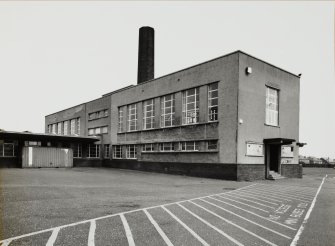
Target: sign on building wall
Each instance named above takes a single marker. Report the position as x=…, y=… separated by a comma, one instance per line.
x=255, y=149
x=287, y=151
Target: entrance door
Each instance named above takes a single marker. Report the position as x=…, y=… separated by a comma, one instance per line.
x=274, y=157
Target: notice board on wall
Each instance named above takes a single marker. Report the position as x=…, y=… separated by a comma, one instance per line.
x=255, y=149
x=287, y=151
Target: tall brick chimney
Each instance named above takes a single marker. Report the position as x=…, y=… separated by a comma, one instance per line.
x=146, y=54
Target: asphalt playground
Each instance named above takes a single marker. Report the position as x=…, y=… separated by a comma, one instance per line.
x=88, y=206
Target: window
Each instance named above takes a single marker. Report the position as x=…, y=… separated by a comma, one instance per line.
x=7, y=150
x=32, y=143
x=131, y=152
x=191, y=106
x=167, y=110
x=132, y=117
x=189, y=146
x=98, y=114
x=72, y=126
x=104, y=129
x=106, y=150
x=91, y=131
x=94, y=150
x=272, y=106
x=167, y=147
x=78, y=126
x=66, y=123
x=53, y=128
x=105, y=112
x=49, y=128
x=59, y=128
x=98, y=130
x=148, y=148
x=120, y=122
x=148, y=114
x=213, y=102
x=77, y=151
x=212, y=145
x=117, y=152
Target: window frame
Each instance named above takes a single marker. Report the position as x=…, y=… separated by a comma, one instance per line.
x=183, y=146
x=274, y=120
x=115, y=151
x=151, y=149
x=148, y=119
x=165, y=108
x=120, y=120
x=210, y=101
x=162, y=147
x=97, y=150
x=128, y=151
x=132, y=111
x=186, y=103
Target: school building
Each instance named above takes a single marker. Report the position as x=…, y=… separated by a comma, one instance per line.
x=234, y=117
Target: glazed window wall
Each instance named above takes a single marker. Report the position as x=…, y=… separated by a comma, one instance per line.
x=190, y=107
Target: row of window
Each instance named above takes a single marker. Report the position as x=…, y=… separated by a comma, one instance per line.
x=62, y=128
x=131, y=150
x=190, y=110
x=98, y=130
x=98, y=114
x=93, y=151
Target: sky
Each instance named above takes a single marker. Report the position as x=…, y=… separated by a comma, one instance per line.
x=57, y=54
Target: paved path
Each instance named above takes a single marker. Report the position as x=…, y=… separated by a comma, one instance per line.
x=258, y=214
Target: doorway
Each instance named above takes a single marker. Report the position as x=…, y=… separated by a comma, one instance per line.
x=272, y=158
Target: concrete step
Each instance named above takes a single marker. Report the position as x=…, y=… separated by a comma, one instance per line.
x=274, y=176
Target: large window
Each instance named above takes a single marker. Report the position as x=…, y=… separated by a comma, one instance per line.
x=59, y=128
x=167, y=147
x=98, y=114
x=148, y=114
x=272, y=107
x=72, y=126
x=212, y=145
x=189, y=146
x=213, y=102
x=49, y=128
x=117, y=152
x=98, y=130
x=120, y=121
x=167, y=110
x=66, y=123
x=7, y=150
x=131, y=151
x=78, y=126
x=132, y=117
x=106, y=150
x=148, y=148
x=54, y=126
x=77, y=151
x=191, y=106
x=94, y=150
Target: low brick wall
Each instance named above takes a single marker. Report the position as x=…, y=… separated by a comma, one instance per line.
x=250, y=172
x=207, y=170
x=291, y=170
x=85, y=162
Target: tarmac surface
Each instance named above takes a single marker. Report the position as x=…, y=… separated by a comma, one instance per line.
x=96, y=206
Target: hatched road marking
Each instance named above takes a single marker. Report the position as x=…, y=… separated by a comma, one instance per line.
x=241, y=213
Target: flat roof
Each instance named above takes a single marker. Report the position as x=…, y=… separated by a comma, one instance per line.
x=29, y=136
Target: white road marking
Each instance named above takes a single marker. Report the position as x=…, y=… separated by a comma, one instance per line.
x=105, y=217
x=53, y=237
x=186, y=227
x=250, y=193
x=159, y=230
x=127, y=230
x=283, y=194
x=309, y=192
x=267, y=194
x=91, y=233
x=250, y=221
x=232, y=223
x=244, y=204
x=297, y=236
x=250, y=212
x=250, y=201
x=6, y=243
x=212, y=226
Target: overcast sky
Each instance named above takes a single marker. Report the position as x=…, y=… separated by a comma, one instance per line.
x=55, y=55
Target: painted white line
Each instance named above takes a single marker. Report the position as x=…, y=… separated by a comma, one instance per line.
x=255, y=198
x=186, y=227
x=243, y=204
x=105, y=217
x=53, y=237
x=302, y=227
x=284, y=193
x=210, y=225
x=279, y=194
x=127, y=230
x=232, y=223
x=91, y=233
x=309, y=192
x=259, y=195
x=159, y=230
x=6, y=242
x=250, y=221
x=261, y=204
x=250, y=212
